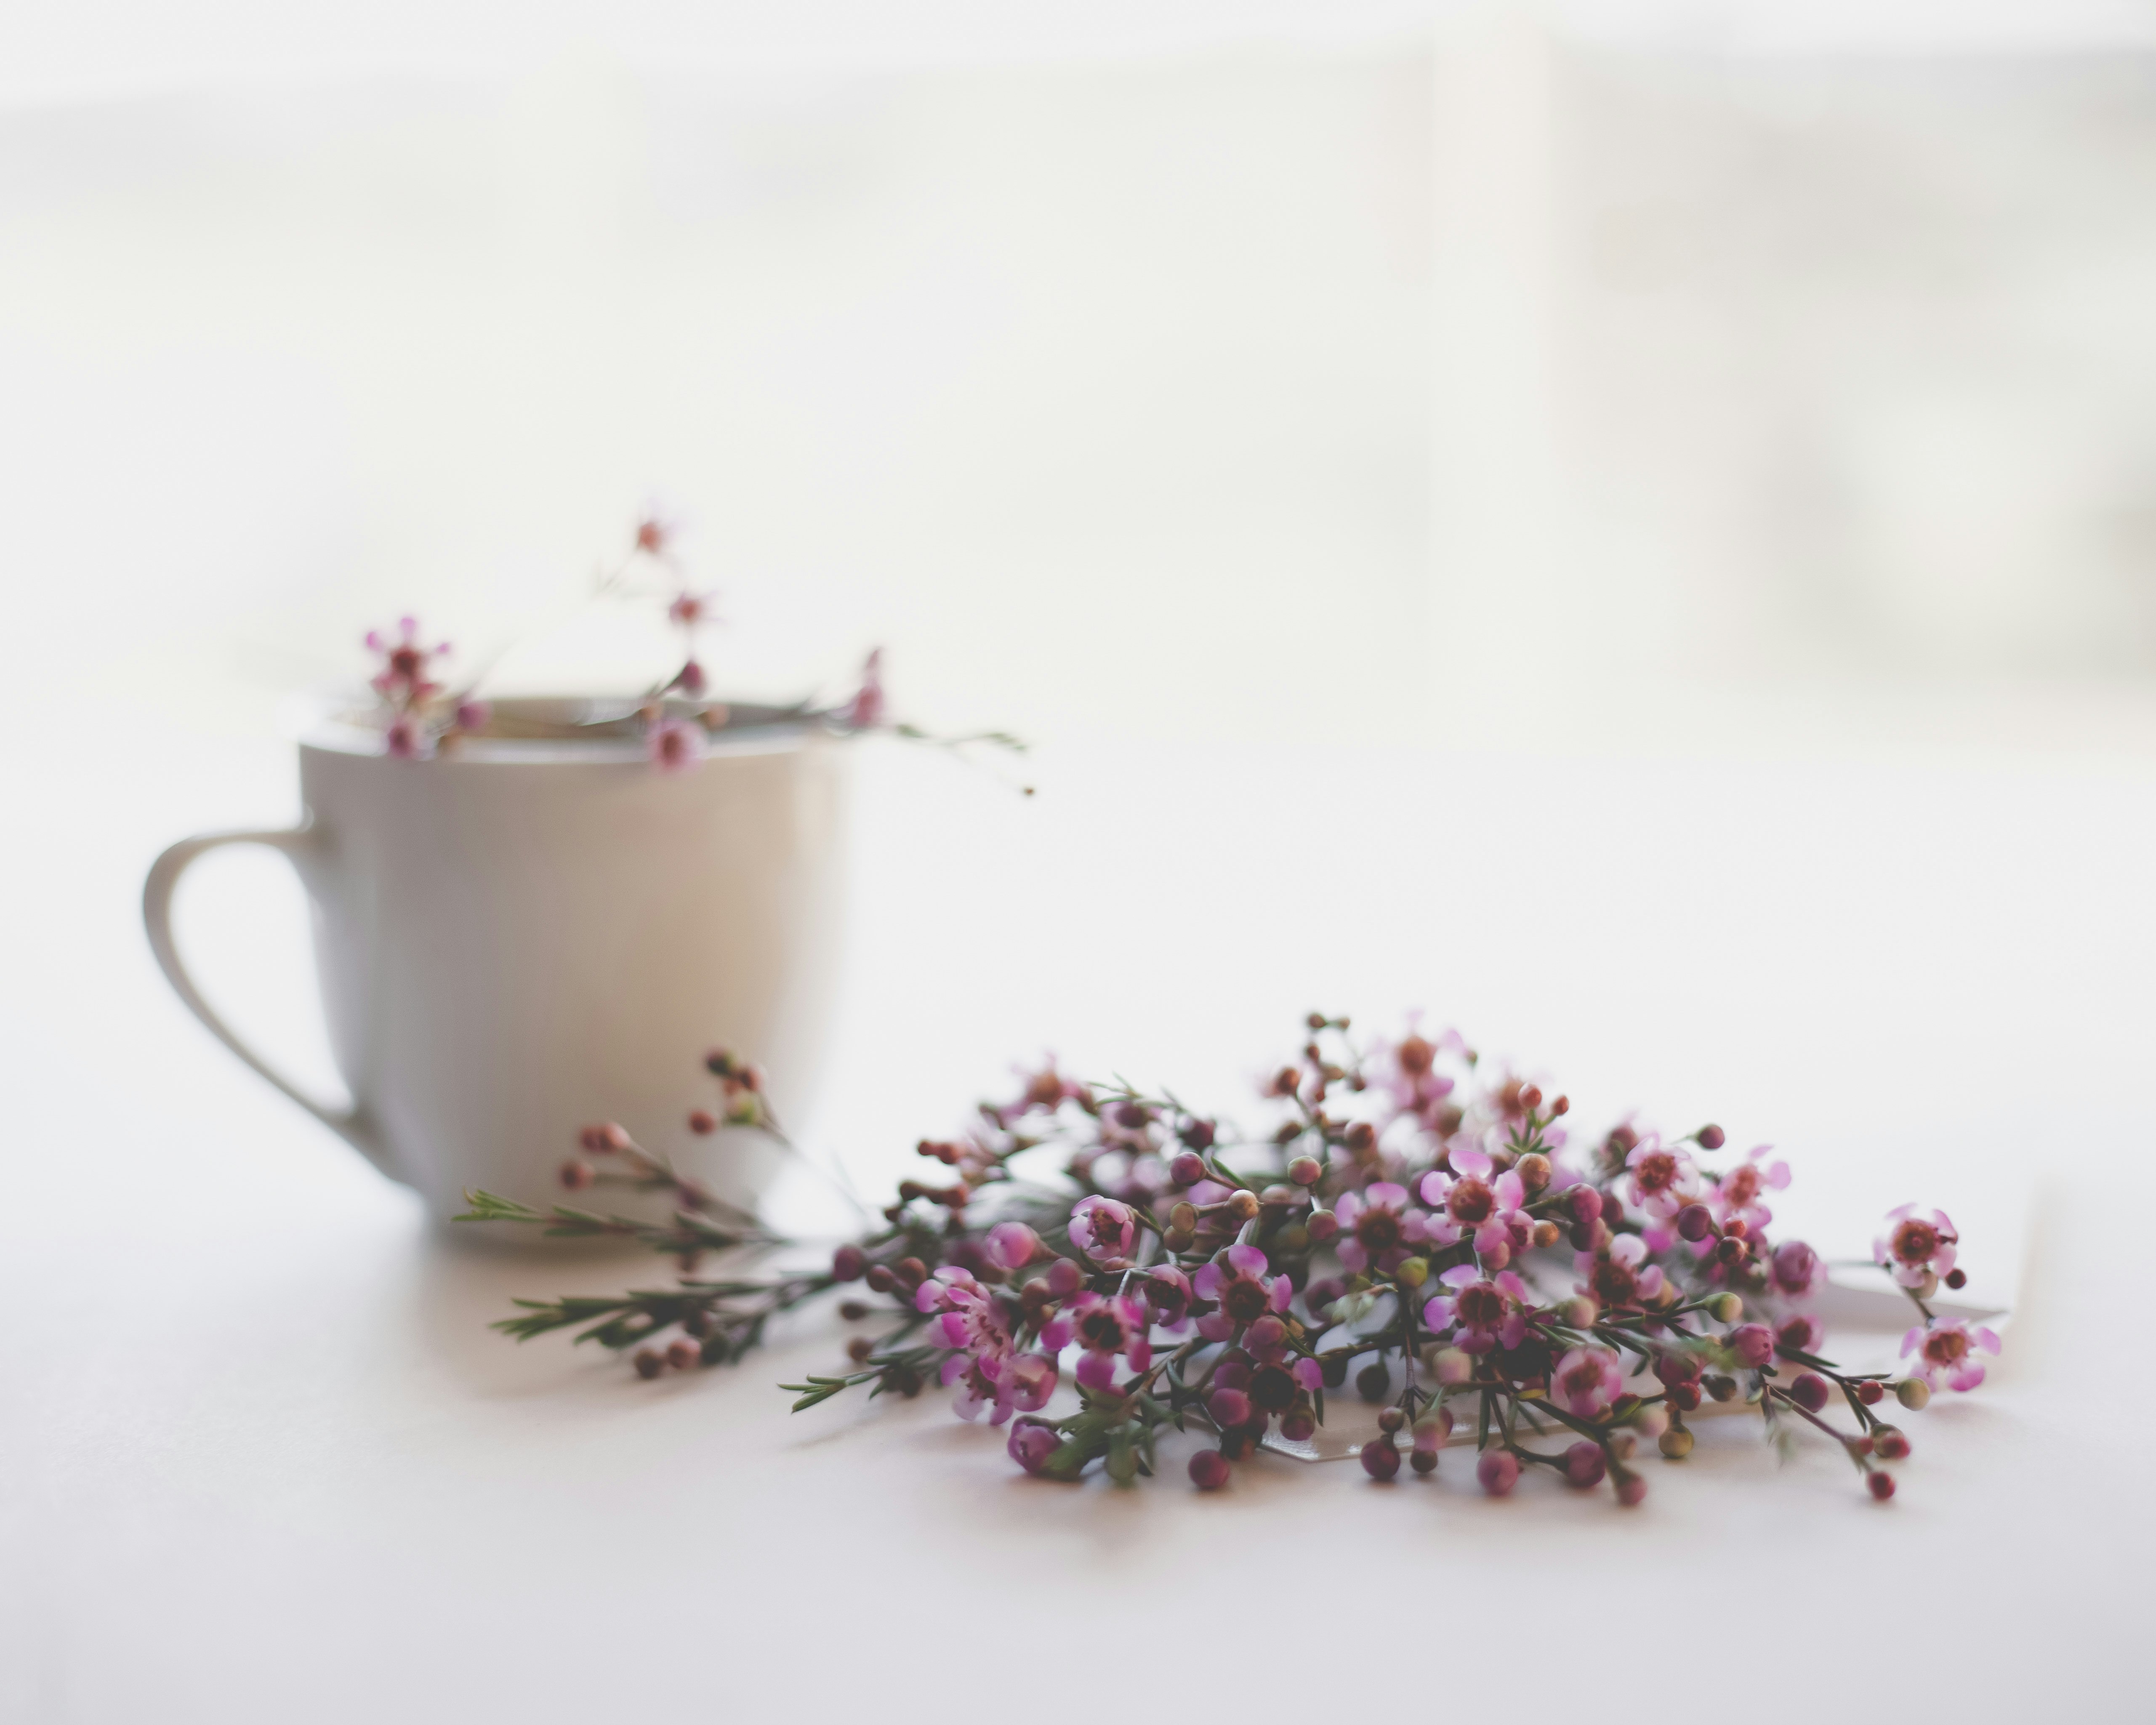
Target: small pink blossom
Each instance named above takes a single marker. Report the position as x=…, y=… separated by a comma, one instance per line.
x=1103, y=1228
x=1948, y=1350
x=1614, y=1277
x=473, y=715
x=1489, y=1313
x=1916, y=1246
x=1662, y=1176
x=405, y=662
x=1376, y=1224
x=1106, y=1325
x=1235, y=1281
x=1405, y=1072
x=1475, y=1203
x=1738, y=1192
x=1588, y=1380
x=407, y=739
x=675, y=744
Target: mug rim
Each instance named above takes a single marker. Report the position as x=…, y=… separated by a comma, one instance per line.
x=326, y=723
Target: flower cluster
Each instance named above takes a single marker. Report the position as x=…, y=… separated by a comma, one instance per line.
x=1408, y=1224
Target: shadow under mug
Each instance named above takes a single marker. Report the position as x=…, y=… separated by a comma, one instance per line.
x=536, y=932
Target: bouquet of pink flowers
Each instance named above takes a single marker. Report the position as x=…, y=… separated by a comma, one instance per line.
x=1439, y=1239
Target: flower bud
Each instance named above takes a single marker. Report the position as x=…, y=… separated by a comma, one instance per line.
x=1721, y=1388
x=880, y=1278
x=1631, y=1490
x=1727, y=1308
x=576, y=1175
x=1380, y=1460
x=1710, y=1138
x=683, y=1354
x=1890, y=1443
x=1585, y=1465
x=1752, y=1343
x=702, y=1122
x=1879, y=1484
x=1209, y=1470
x=1306, y=1171
x=1652, y=1421
x=1534, y=1171
x=1912, y=1392
x=1361, y=1136
x=1299, y=1426
x=1809, y=1391
x=1453, y=1366
x=1431, y=1430
x=1323, y=1225
x=1622, y=1444
x=650, y=1362
x=1547, y=1233
x=1188, y=1169
x=1423, y=1461
x=1586, y=1205
x=1197, y=1133
x=850, y=1263
x=1871, y=1392
x=1228, y=1407
x=1731, y=1250
x=1676, y=1443
x=1695, y=1221
x=1414, y=1273
x=1498, y=1471
x=1580, y=1313
x=1243, y=1205
x=1374, y=1382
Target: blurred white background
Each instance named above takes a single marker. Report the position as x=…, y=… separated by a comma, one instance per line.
x=1632, y=526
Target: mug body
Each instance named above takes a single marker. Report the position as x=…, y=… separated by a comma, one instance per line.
x=520, y=938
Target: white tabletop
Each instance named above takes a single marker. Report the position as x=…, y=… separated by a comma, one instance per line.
x=263, y=1460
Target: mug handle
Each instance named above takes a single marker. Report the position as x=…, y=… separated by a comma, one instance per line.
x=347, y=1123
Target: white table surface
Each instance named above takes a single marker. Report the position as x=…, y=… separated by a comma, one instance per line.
x=262, y=1460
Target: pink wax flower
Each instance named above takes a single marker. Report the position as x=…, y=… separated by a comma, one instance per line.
x=691, y=610
x=1738, y=1192
x=1662, y=1179
x=1236, y=1281
x=1488, y=1313
x=1948, y=1350
x=1106, y=1325
x=1587, y=1381
x=675, y=744
x=999, y=1385
x=1103, y=1228
x=656, y=533
x=1405, y=1072
x=1168, y=1294
x=1475, y=1203
x=866, y=710
x=405, y=659
x=1375, y=1223
x=1916, y=1246
x=1046, y=1091
x=1613, y=1278
x=407, y=739
x=473, y=715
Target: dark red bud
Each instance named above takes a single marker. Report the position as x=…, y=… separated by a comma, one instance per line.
x=1380, y=1460
x=1209, y=1469
x=850, y=1263
x=1711, y=1137
x=1695, y=1221
x=703, y=1122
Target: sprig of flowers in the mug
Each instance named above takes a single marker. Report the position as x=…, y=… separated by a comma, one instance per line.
x=419, y=714
x=676, y=717
x=1409, y=1223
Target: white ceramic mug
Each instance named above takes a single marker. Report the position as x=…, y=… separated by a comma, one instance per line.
x=524, y=936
